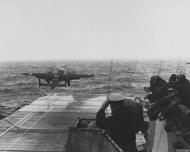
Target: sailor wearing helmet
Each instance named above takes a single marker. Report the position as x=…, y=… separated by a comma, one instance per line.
x=125, y=120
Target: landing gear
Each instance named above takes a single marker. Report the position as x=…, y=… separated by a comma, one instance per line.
x=39, y=83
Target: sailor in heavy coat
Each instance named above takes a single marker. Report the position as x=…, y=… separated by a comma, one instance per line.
x=125, y=120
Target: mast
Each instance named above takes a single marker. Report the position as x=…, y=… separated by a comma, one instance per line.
x=110, y=76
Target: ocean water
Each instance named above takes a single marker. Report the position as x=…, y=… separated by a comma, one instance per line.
x=129, y=77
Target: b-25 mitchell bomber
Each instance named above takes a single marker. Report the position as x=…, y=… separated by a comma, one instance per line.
x=53, y=79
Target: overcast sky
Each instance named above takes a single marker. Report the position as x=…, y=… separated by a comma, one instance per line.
x=94, y=29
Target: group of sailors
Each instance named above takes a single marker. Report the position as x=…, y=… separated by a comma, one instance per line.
x=169, y=101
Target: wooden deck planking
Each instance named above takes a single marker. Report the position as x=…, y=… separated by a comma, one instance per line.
x=33, y=141
x=43, y=125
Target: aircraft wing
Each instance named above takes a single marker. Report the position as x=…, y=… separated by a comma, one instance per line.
x=78, y=76
x=27, y=74
x=48, y=76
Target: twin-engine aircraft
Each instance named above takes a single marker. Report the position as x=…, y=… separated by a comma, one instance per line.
x=53, y=79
